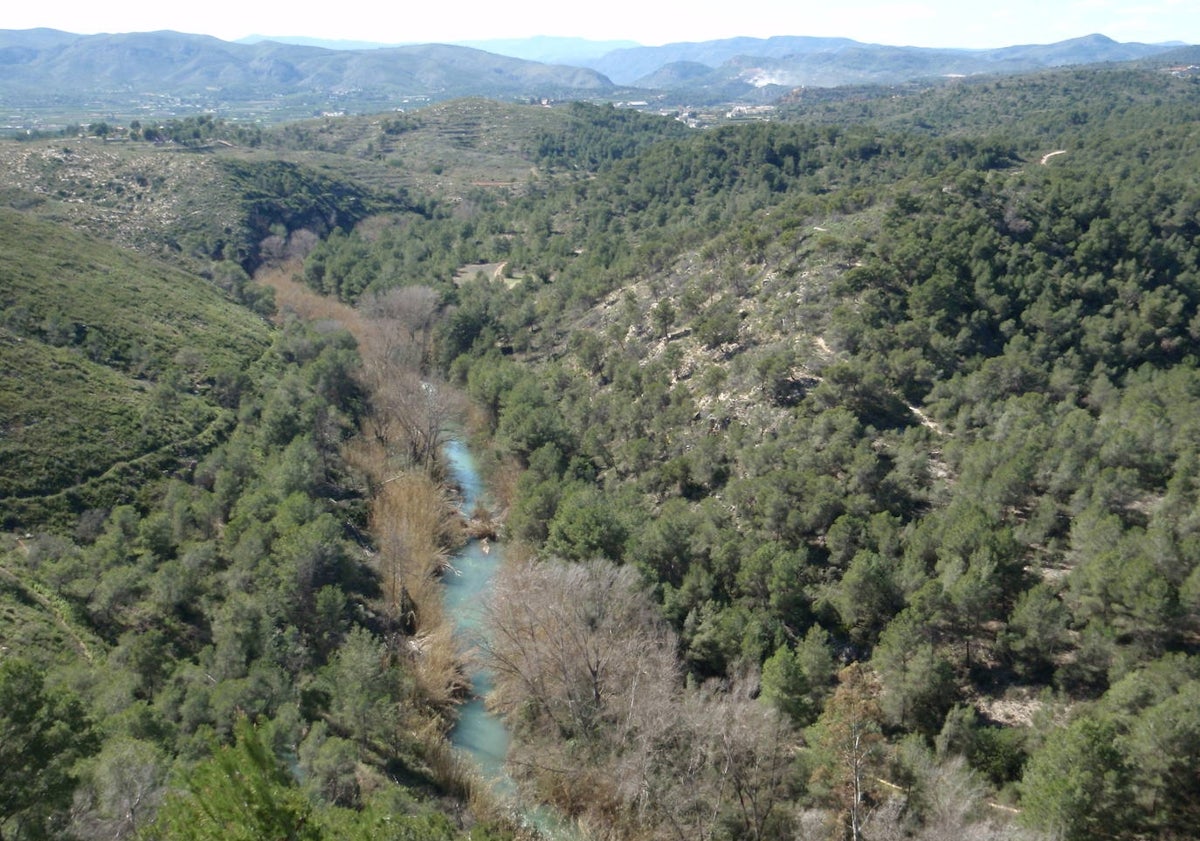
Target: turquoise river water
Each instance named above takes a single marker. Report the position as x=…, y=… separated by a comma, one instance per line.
x=479, y=733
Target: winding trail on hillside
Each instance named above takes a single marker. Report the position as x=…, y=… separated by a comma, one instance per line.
x=54, y=605
x=926, y=421
x=1046, y=157
x=827, y=353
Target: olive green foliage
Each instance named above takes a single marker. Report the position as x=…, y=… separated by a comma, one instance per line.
x=888, y=385
x=244, y=791
x=199, y=132
x=43, y=732
x=241, y=792
x=233, y=588
x=1063, y=103
x=281, y=198
x=1125, y=764
x=413, y=251
x=191, y=131
x=597, y=136
x=918, y=388
x=116, y=367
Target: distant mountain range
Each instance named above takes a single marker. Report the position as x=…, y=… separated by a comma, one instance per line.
x=835, y=61
x=548, y=49
x=44, y=62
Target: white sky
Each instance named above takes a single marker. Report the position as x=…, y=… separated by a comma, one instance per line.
x=924, y=23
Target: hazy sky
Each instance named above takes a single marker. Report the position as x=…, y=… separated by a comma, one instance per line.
x=926, y=23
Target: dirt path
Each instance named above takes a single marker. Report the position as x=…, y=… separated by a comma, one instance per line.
x=58, y=611
x=826, y=352
x=926, y=421
x=1046, y=157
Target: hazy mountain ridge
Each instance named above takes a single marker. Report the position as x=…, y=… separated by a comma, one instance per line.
x=44, y=62
x=632, y=64
x=551, y=49
x=740, y=66
x=548, y=49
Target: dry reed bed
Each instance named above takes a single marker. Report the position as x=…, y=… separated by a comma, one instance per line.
x=413, y=522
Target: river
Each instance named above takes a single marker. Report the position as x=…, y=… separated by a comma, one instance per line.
x=478, y=732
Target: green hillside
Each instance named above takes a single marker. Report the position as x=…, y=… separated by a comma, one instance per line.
x=115, y=366
x=847, y=467
x=185, y=567
x=916, y=393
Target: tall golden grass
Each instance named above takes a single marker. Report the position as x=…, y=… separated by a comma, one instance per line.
x=414, y=524
x=292, y=296
x=412, y=519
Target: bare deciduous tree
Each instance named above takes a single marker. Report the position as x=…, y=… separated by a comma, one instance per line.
x=582, y=642
x=410, y=416
x=581, y=653
x=409, y=413
x=709, y=757
x=401, y=323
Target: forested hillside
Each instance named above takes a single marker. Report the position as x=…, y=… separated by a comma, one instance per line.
x=107, y=382
x=848, y=469
x=207, y=623
x=893, y=395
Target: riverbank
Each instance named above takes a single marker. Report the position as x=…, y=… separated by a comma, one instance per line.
x=477, y=731
x=416, y=528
